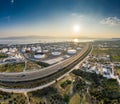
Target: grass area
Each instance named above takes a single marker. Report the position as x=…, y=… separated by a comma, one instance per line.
x=3, y=56
x=115, y=58
x=75, y=99
x=98, y=51
x=15, y=67
x=12, y=98
x=42, y=93
x=118, y=71
x=113, y=52
x=32, y=65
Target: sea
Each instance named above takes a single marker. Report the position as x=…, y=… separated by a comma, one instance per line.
x=39, y=40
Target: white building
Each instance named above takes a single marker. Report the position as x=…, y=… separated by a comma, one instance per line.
x=71, y=51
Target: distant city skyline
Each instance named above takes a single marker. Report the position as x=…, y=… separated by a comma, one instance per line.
x=57, y=18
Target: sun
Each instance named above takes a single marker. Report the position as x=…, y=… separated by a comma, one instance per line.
x=76, y=28
x=76, y=40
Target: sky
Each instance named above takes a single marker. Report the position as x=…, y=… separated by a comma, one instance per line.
x=58, y=18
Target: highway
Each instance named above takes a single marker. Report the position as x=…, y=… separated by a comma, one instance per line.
x=28, y=76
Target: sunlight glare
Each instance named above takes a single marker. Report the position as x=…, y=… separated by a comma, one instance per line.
x=76, y=28
x=76, y=40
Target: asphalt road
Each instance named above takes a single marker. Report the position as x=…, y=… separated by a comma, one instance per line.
x=27, y=76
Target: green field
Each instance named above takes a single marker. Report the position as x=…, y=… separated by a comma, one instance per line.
x=33, y=66
x=15, y=67
x=3, y=56
x=113, y=52
x=118, y=71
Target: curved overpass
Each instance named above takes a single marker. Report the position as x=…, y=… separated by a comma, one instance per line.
x=33, y=75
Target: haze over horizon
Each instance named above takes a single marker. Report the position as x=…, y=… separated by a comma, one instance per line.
x=60, y=18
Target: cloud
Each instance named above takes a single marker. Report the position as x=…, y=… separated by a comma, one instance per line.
x=112, y=21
